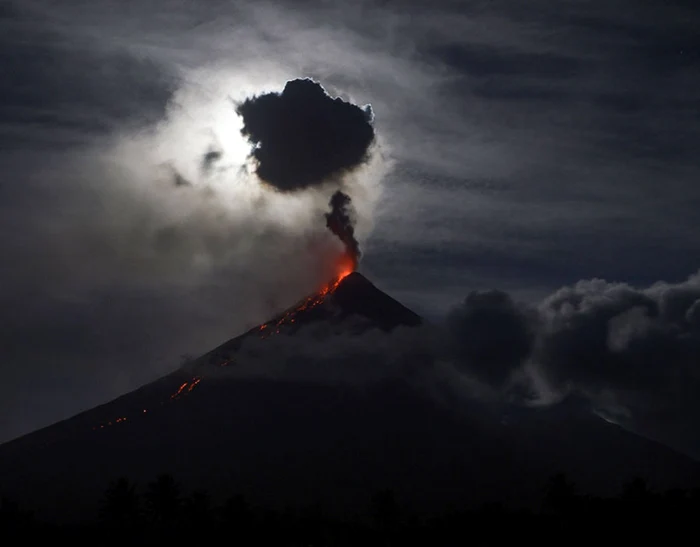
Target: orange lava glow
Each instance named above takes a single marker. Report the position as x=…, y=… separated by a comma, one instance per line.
x=187, y=387
x=117, y=421
x=179, y=391
x=346, y=265
x=194, y=384
x=184, y=389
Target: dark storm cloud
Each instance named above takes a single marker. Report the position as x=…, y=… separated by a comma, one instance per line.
x=302, y=136
x=340, y=221
x=634, y=353
x=490, y=335
x=592, y=336
x=602, y=336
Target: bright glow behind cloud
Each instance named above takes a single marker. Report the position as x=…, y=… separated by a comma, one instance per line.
x=201, y=118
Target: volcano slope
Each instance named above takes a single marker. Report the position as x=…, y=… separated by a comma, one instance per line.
x=281, y=440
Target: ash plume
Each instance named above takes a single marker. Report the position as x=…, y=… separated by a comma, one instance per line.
x=340, y=222
x=301, y=137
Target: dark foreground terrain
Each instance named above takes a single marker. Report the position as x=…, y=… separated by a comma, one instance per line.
x=160, y=513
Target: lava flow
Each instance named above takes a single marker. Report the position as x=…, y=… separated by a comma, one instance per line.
x=108, y=424
x=186, y=387
x=346, y=267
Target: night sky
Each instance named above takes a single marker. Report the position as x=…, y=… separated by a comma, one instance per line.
x=532, y=185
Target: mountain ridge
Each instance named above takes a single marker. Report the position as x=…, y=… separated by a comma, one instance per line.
x=283, y=441
x=350, y=296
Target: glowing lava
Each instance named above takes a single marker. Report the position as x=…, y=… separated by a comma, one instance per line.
x=187, y=387
x=194, y=384
x=184, y=389
x=108, y=424
x=179, y=391
x=346, y=266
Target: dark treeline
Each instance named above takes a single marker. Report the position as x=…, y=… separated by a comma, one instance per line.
x=161, y=513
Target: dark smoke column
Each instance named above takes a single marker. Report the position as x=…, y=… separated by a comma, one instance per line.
x=340, y=222
x=302, y=137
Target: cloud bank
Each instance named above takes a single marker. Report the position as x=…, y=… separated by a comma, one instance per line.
x=632, y=353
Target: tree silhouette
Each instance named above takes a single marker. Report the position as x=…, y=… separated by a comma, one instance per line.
x=385, y=514
x=636, y=491
x=197, y=509
x=560, y=495
x=237, y=513
x=163, y=502
x=120, y=504
x=13, y=517
x=9, y=510
x=638, y=514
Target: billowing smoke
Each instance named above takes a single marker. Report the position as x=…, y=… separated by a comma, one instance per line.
x=490, y=335
x=634, y=353
x=302, y=137
x=594, y=337
x=340, y=221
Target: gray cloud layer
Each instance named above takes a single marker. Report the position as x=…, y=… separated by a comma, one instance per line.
x=634, y=352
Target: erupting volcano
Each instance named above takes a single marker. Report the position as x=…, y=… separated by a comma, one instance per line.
x=297, y=442
x=385, y=415
x=350, y=294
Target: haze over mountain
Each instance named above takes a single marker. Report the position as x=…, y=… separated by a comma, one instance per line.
x=256, y=417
